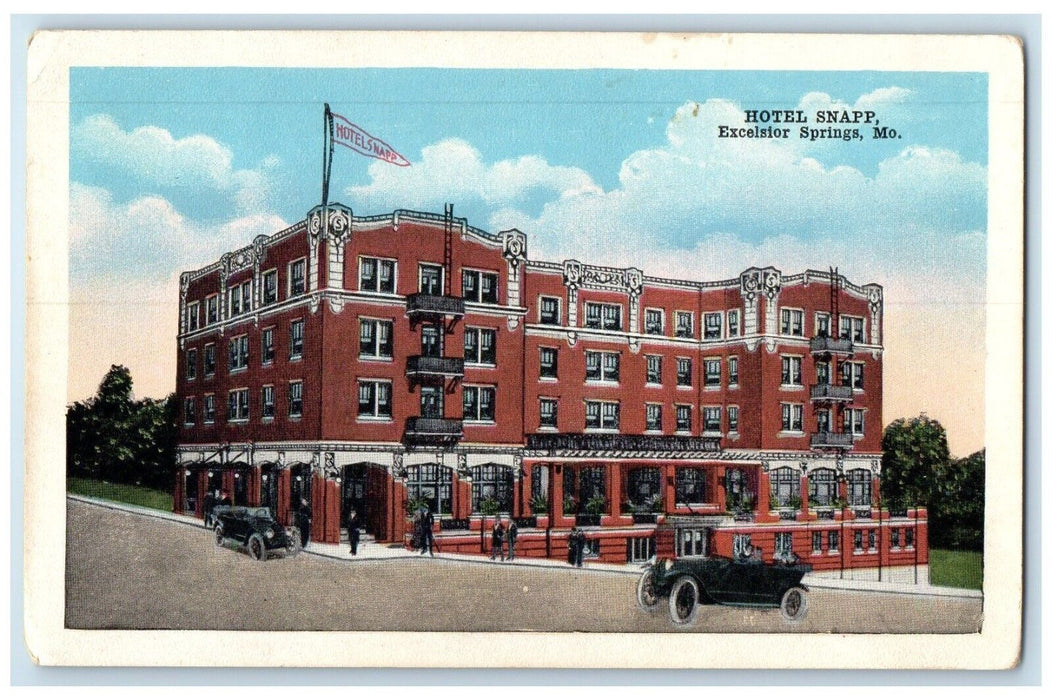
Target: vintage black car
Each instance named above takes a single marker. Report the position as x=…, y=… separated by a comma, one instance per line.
x=688, y=582
x=256, y=530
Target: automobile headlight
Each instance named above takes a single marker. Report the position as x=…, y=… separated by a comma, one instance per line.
x=668, y=564
x=269, y=533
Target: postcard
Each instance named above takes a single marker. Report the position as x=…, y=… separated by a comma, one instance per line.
x=524, y=350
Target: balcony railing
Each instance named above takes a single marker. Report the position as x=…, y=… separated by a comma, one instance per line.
x=433, y=431
x=836, y=346
x=433, y=304
x=831, y=440
x=419, y=366
x=831, y=392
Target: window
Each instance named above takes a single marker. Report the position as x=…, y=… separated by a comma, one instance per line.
x=189, y=410
x=741, y=545
x=549, y=413
x=431, y=340
x=859, y=488
x=792, y=417
x=792, y=322
x=851, y=374
x=266, y=341
x=295, y=399
x=240, y=298
x=692, y=542
x=833, y=538
x=732, y=371
x=212, y=308
x=432, y=401
x=822, y=372
x=492, y=482
x=655, y=322
x=816, y=541
x=237, y=405
x=683, y=419
x=736, y=484
x=210, y=360
x=191, y=364
x=602, y=366
x=602, y=415
x=644, y=487
x=297, y=277
x=792, y=374
x=871, y=540
x=855, y=421
x=895, y=540
x=374, y=398
x=376, y=275
x=822, y=418
x=783, y=545
x=853, y=328
x=267, y=402
x=239, y=353
x=909, y=537
x=684, y=324
x=713, y=372
x=822, y=325
x=733, y=329
x=713, y=326
x=431, y=279
x=732, y=419
x=479, y=402
x=785, y=486
x=690, y=485
x=653, y=416
x=480, y=286
x=270, y=287
x=712, y=419
x=550, y=313
x=684, y=371
x=549, y=363
x=858, y=540
x=605, y=316
x=640, y=549
x=480, y=346
x=821, y=489
x=210, y=408
x=539, y=485
x=193, y=318
x=432, y=484
x=375, y=339
x=582, y=485
x=653, y=369
x=296, y=339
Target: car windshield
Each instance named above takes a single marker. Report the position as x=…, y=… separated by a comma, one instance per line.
x=260, y=512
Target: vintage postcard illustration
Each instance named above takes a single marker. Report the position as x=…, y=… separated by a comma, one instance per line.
x=683, y=343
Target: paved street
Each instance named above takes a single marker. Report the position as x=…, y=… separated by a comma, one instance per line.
x=128, y=571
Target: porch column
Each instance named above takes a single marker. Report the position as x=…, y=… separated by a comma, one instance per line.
x=805, y=497
x=668, y=487
x=178, y=497
x=555, y=473
x=614, y=470
x=720, y=474
x=763, y=491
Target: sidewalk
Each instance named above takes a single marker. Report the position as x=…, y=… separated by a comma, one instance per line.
x=371, y=551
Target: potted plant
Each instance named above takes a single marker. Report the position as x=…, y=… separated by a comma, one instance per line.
x=596, y=505
x=489, y=506
x=569, y=505
x=775, y=502
x=795, y=502
x=539, y=504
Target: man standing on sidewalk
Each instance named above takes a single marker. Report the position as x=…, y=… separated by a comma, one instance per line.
x=497, y=540
x=353, y=533
x=513, y=535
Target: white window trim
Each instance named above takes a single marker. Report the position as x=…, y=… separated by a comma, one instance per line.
x=420, y=275
x=288, y=281
x=661, y=419
x=602, y=370
x=248, y=405
x=723, y=326
x=374, y=418
x=481, y=271
x=295, y=416
x=646, y=369
x=478, y=348
x=601, y=403
x=733, y=431
x=790, y=433
x=738, y=314
x=647, y=310
x=190, y=417
x=711, y=433
x=273, y=349
x=204, y=419
x=374, y=358
x=273, y=404
x=244, y=367
x=303, y=339
x=603, y=304
x=480, y=421
x=558, y=311
x=690, y=409
x=735, y=384
x=215, y=362
x=541, y=427
x=219, y=317
x=792, y=387
x=263, y=287
x=394, y=274
x=540, y=365
x=693, y=330
x=685, y=387
x=705, y=374
x=803, y=322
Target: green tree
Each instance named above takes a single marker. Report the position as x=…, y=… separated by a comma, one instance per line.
x=113, y=437
x=915, y=454
x=956, y=515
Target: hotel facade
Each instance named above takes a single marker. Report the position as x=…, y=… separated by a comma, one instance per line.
x=381, y=363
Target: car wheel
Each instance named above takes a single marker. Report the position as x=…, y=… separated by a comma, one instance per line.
x=683, y=601
x=794, y=604
x=646, y=593
x=220, y=540
x=293, y=543
x=256, y=548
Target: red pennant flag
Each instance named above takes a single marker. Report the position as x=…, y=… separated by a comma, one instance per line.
x=359, y=140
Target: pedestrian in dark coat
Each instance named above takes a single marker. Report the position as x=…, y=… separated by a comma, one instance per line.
x=497, y=540
x=579, y=549
x=225, y=500
x=353, y=533
x=303, y=519
x=427, y=536
x=207, y=504
x=571, y=547
x=513, y=536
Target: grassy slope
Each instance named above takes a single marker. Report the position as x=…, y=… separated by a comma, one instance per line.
x=124, y=493
x=956, y=569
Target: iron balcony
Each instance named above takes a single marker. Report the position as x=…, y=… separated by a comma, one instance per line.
x=824, y=345
x=423, y=367
x=433, y=305
x=831, y=392
x=433, y=431
x=831, y=440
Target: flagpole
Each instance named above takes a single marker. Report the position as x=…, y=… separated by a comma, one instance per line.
x=326, y=159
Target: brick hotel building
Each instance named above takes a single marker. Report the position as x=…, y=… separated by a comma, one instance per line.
x=380, y=362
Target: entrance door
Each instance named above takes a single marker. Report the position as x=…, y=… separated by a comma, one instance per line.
x=355, y=482
x=241, y=478
x=300, y=486
x=189, y=492
x=430, y=341
x=268, y=489
x=431, y=400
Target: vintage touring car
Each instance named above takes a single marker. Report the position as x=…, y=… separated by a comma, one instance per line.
x=690, y=577
x=256, y=530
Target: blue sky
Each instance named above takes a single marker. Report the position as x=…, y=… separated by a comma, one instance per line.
x=170, y=167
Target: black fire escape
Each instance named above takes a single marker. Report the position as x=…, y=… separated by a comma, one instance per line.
x=830, y=348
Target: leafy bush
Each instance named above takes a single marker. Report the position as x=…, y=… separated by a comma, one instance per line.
x=489, y=506
x=596, y=505
x=539, y=504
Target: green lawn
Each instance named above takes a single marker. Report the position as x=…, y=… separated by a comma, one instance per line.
x=956, y=569
x=125, y=493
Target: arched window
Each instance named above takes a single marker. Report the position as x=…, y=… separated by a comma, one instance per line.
x=494, y=483
x=785, y=486
x=432, y=484
x=860, y=488
x=821, y=487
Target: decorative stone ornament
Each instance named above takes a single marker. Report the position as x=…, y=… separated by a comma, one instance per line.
x=514, y=242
